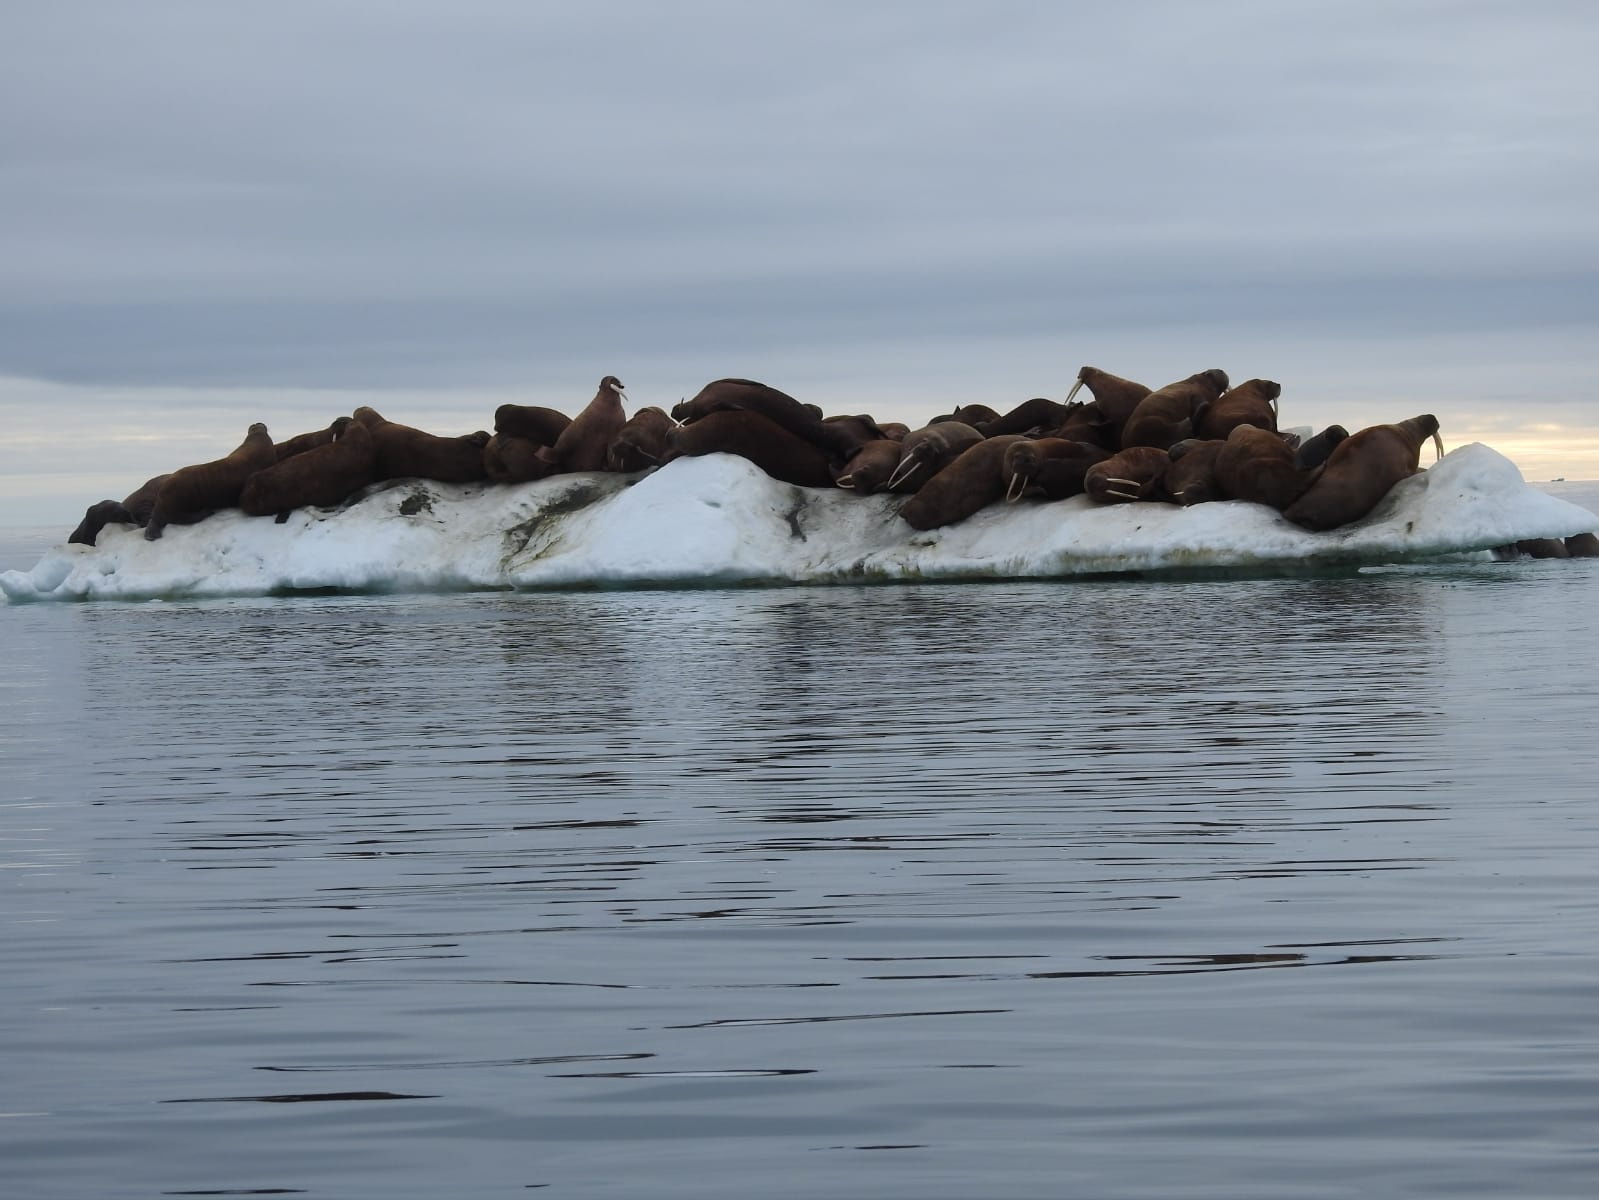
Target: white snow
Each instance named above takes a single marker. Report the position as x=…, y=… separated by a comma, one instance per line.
x=718, y=519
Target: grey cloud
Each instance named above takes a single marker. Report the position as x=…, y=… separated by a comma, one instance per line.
x=365, y=194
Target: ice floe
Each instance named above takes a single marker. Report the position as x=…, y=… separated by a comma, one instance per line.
x=719, y=520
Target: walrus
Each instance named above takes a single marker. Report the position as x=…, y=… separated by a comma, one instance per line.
x=584, y=443
x=894, y=430
x=1040, y=413
x=640, y=443
x=405, y=452
x=1088, y=423
x=1261, y=467
x=301, y=442
x=541, y=425
x=135, y=510
x=1115, y=399
x=1191, y=477
x=843, y=436
x=974, y=480
x=508, y=458
x=322, y=477
x=1132, y=474
x=781, y=454
x=1253, y=402
x=1166, y=416
x=191, y=494
x=1361, y=471
x=1313, y=451
x=747, y=395
x=1053, y=467
x=1583, y=545
x=967, y=414
x=928, y=450
x=870, y=467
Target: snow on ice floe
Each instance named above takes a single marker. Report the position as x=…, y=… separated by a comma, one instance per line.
x=719, y=520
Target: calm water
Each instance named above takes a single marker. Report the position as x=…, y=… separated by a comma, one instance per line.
x=1219, y=889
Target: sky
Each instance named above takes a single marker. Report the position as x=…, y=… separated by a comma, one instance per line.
x=214, y=214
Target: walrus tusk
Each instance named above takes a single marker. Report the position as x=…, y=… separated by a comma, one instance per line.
x=845, y=481
x=900, y=474
x=1075, y=388
x=1123, y=495
x=1179, y=494
x=1438, y=444
x=1014, y=493
x=1132, y=483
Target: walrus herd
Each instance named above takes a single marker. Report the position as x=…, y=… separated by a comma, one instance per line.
x=1195, y=440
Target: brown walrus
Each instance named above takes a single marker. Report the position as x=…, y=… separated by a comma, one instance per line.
x=1191, y=478
x=641, y=443
x=1312, y=452
x=301, y=442
x=1253, y=402
x=191, y=494
x=584, y=443
x=405, y=452
x=974, y=480
x=1362, y=470
x=747, y=395
x=843, y=436
x=322, y=477
x=1583, y=545
x=781, y=454
x=1052, y=467
x=541, y=425
x=967, y=414
x=1131, y=474
x=1115, y=399
x=1261, y=467
x=928, y=450
x=868, y=470
x=135, y=510
x=1040, y=413
x=1166, y=416
x=508, y=458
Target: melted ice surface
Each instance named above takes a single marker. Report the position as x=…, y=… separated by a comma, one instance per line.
x=719, y=519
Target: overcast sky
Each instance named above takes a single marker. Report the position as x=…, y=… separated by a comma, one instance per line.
x=215, y=213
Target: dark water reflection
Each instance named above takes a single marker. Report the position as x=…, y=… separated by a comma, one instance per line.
x=1004, y=890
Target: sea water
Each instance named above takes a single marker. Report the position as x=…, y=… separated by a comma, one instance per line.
x=1247, y=888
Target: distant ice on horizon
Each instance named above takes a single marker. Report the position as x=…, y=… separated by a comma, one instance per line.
x=718, y=520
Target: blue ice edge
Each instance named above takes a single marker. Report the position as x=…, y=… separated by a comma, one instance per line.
x=719, y=521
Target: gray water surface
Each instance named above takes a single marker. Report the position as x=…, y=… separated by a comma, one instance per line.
x=1215, y=889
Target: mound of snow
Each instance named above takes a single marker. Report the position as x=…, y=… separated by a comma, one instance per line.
x=718, y=519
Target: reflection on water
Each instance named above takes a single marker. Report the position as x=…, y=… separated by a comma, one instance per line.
x=606, y=887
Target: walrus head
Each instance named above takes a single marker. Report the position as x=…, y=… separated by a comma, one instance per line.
x=1083, y=376
x=1215, y=378
x=1021, y=464
x=1420, y=429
